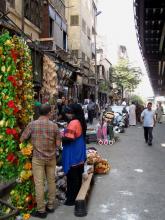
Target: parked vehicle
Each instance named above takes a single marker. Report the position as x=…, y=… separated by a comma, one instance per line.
x=119, y=122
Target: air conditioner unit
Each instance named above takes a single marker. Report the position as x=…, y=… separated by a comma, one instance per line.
x=47, y=44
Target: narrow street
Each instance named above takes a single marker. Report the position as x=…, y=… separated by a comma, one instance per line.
x=134, y=188
x=67, y=62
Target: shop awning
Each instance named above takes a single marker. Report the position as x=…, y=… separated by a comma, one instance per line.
x=150, y=26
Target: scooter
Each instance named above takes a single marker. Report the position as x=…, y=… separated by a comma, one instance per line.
x=119, y=123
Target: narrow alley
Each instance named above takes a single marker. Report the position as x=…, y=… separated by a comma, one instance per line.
x=134, y=188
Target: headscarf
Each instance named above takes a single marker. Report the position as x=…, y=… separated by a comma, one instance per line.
x=78, y=113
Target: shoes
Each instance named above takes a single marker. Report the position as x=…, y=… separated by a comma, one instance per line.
x=50, y=210
x=38, y=214
x=150, y=144
x=69, y=203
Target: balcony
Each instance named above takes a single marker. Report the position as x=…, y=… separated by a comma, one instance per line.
x=59, y=6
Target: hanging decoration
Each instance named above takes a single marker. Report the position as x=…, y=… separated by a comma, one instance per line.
x=16, y=110
x=49, y=77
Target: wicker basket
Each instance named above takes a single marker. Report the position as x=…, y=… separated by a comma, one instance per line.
x=13, y=212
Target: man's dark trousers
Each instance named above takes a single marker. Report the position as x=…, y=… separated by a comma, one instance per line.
x=148, y=134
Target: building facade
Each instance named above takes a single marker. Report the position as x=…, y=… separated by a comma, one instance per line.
x=81, y=18
x=25, y=14
x=54, y=25
x=104, y=71
x=54, y=41
x=23, y=18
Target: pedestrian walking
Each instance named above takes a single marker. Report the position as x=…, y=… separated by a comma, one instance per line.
x=97, y=110
x=45, y=138
x=91, y=107
x=159, y=113
x=139, y=109
x=148, y=119
x=74, y=152
x=61, y=107
x=132, y=114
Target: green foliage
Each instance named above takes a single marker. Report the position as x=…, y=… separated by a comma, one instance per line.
x=126, y=75
x=137, y=99
x=104, y=86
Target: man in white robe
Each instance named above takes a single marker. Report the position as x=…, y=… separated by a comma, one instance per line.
x=132, y=114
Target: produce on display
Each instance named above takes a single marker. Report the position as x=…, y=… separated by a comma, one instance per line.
x=101, y=166
x=93, y=156
x=16, y=110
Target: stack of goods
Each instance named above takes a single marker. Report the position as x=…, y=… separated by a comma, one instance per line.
x=61, y=184
x=49, y=78
x=108, y=116
x=101, y=166
x=92, y=156
x=16, y=110
x=49, y=89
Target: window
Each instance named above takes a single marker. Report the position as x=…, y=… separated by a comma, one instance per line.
x=83, y=56
x=83, y=26
x=74, y=20
x=93, y=31
x=11, y=3
x=51, y=23
x=75, y=53
x=88, y=33
x=65, y=41
x=32, y=11
x=93, y=56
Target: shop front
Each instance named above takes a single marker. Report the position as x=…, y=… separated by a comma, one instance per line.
x=67, y=80
x=103, y=98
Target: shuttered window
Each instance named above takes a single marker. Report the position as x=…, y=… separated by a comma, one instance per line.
x=74, y=20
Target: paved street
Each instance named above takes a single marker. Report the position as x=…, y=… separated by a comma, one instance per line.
x=135, y=187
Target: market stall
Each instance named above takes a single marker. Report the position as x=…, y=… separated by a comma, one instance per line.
x=16, y=110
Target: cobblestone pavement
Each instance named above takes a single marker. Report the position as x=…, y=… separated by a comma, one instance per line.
x=135, y=187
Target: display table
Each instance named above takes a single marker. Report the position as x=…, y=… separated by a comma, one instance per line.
x=81, y=199
x=91, y=135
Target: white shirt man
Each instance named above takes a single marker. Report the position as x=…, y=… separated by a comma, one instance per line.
x=148, y=119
